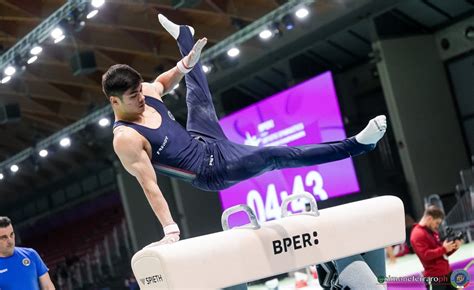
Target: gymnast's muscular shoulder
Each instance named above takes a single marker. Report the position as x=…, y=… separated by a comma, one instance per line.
x=154, y=90
x=128, y=143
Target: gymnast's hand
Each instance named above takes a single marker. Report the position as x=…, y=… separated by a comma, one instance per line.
x=192, y=58
x=171, y=236
x=168, y=239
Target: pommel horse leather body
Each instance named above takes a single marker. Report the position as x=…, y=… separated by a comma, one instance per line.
x=254, y=252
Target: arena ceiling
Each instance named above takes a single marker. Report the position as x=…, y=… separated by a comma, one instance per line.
x=337, y=35
x=51, y=97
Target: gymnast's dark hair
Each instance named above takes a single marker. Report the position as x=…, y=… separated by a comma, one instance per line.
x=118, y=79
x=4, y=222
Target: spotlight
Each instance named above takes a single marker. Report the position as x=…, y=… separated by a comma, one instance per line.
x=97, y=3
x=57, y=33
x=302, y=12
x=265, y=34
x=206, y=68
x=1, y=176
x=43, y=153
x=14, y=168
x=36, y=50
x=104, y=122
x=32, y=59
x=65, y=142
x=59, y=39
x=6, y=79
x=92, y=13
x=10, y=70
x=233, y=52
x=288, y=22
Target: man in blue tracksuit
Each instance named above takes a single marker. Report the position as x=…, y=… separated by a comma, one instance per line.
x=20, y=268
x=147, y=139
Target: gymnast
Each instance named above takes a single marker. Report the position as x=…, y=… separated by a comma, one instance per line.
x=147, y=138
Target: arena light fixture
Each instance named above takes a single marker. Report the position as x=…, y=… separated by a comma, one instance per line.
x=32, y=59
x=92, y=13
x=233, y=52
x=36, y=50
x=97, y=3
x=6, y=79
x=65, y=142
x=43, y=153
x=265, y=34
x=206, y=68
x=10, y=70
x=302, y=12
x=2, y=176
x=14, y=168
x=57, y=33
x=104, y=122
x=59, y=39
x=252, y=29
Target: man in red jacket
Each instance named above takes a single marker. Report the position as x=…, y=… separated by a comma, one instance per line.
x=432, y=253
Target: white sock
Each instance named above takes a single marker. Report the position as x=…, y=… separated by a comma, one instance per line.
x=358, y=276
x=374, y=131
x=171, y=27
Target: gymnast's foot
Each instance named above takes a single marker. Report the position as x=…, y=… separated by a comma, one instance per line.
x=373, y=132
x=171, y=27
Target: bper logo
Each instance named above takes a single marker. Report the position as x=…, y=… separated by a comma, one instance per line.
x=297, y=242
x=152, y=280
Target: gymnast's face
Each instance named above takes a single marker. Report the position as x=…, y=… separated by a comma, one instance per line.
x=132, y=101
x=7, y=241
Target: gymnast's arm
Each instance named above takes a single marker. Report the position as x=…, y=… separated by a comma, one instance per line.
x=166, y=81
x=128, y=146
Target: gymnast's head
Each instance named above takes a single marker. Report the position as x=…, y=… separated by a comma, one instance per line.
x=122, y=85
x=7, y=237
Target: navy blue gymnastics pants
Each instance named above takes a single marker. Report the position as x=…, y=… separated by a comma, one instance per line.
x=235, y=162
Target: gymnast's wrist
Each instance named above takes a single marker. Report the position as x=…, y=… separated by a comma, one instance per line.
x=182, y=67
x=171, y=229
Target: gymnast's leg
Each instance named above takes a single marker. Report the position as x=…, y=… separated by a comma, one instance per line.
x=202, y=118
x=259, y=160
